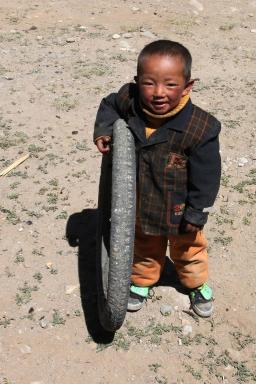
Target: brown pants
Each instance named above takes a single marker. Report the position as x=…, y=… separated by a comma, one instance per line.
x=187, y=251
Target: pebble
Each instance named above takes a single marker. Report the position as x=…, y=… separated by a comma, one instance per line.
x=8, y=77
x=135, y=9
x=39, y=37
x=25, y=349
x=253, y=30
x=179, y=342
x=127, y=35
x=36, y=382
x=166, y=309
x=197, y=5
x=43, y=322
x=33, y=28
x=71, y=288
x=82, y=28
x=116, y=36
x=187, y=329
x=148, y=34
x=70, y=40
x=242, y=161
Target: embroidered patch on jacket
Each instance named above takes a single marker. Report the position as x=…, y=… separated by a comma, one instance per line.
x=176, y=161
x=178, y=209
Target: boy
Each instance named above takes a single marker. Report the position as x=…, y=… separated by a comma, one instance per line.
x=178, y=170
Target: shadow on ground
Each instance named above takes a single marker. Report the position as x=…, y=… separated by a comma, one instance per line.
x=81, y=233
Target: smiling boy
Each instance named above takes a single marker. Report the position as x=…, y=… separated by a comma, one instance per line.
x=178, y=170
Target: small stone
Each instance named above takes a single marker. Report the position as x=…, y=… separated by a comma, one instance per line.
x=8, y=77
x=197, y=5
x=49, y=265
x=166, y=309
x=253, y=30
x=242, y=161
x=71, y=289
x=148, y=34
x=20, y=229
x=74, y=132
x=179, y=342
x=32, y=28
x=36, y=382
x=43, y=322
x=25, y=349
x=70, y=40
x=82, y=28
x=39, y=37
x=187, y=329
x=127, y=35
x=135, y=9
x=116, y=36
x=29, y=222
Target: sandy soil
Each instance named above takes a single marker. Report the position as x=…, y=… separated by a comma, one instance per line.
x=58, y=59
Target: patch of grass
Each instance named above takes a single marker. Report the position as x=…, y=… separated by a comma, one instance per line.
x=65, y=103
x=196, y=374
x=19, y=257
x=88, y=71
x=38, y=276
x=241, y=340
x=57, y=318
x=5, y=321
x=53, y=182
x=35, y=149
x=13, y=196
x=63, y=215
x=14, y=185
x=11, y=216
x=226, y=27
x=154, y=367
x=23, y=175
x=24, y=295
x=83, y=146
x=52, y=198
x=223, y=240
x=8, y=141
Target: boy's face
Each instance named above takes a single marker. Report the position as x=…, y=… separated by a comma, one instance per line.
x=161, y=83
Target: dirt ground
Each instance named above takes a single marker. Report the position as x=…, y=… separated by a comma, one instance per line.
x=58, y=59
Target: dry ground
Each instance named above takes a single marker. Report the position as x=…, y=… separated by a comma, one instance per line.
x=58, y=59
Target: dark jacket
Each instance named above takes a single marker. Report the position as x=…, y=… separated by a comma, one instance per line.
x=179, y=165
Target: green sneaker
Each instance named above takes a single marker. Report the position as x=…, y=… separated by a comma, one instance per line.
x=138, y=296
x=201, y=300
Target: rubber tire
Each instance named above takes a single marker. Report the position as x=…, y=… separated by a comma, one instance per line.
x=116, y=227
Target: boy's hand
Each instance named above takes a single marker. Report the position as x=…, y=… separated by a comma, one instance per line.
x=190, y=228
x=103, y=144
x=187, y=227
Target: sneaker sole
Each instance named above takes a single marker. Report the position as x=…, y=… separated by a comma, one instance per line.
x=134, y=307
x=202, y=314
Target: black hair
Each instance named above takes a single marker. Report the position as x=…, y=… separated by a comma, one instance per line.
x=167, y=48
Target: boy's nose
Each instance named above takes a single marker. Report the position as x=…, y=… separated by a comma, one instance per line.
x=158, y=91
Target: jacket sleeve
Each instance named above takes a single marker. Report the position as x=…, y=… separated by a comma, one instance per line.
x=204, y=172
x=106, y=116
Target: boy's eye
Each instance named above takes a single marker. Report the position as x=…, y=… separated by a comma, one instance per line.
x=171, y=85
x=147, y=83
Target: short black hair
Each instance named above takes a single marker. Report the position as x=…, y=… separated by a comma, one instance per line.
x=167, y=48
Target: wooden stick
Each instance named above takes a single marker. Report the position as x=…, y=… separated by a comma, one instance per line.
x=14, y=165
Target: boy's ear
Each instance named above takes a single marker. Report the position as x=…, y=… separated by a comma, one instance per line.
x=189, y=86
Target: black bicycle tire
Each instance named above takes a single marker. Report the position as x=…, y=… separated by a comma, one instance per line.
x=116, y=227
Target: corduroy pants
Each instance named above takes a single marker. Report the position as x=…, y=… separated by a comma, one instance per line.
x=187, y=251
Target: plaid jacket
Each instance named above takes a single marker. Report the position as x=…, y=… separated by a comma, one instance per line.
x=178, y=167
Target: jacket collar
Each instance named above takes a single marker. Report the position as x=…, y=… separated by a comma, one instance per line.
x=177, y=123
